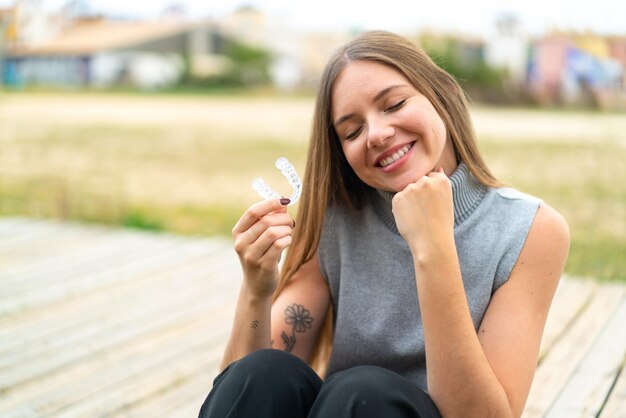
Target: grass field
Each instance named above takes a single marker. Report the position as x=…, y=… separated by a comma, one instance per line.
x=185, y=163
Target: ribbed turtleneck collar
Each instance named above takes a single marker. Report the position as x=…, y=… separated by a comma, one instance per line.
x=467, y=193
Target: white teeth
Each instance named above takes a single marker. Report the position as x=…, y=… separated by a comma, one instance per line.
x=396, y=155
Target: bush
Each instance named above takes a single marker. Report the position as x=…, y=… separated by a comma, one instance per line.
x=249, y=68
x=465, y=62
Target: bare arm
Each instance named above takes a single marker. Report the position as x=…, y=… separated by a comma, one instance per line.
x=299, y=312
x=511, y=330
x=260, y=236
x=297, y=317
x=489, y=374
x=500, y=360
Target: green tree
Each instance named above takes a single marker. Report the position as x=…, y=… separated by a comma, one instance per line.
x=249, y=67
x=250, y=64
x=465, y=61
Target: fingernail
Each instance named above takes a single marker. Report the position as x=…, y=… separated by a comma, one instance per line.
x=284, y=201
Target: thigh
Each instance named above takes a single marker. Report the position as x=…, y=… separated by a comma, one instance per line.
x=371, y=391
x=264, y=384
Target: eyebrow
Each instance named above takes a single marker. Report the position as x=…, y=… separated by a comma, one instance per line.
x=374, y=100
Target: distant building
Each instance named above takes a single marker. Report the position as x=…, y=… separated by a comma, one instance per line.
x=508, y=49
x=101, y=53
x=75, y=48
x=617, y=51
x=247, y=24
x=578, y=69
x=31, y=24
x=315, y=50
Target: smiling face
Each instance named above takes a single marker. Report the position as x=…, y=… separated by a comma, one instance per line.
x=391, y=135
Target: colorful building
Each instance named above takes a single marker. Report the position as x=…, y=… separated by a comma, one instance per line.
x=578, y=69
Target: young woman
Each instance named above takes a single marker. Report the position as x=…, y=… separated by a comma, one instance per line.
x=416, y=284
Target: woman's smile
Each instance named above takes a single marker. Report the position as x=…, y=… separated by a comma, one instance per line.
x=395, y=157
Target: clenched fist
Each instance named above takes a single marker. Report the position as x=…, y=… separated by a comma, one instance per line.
x=424, y=212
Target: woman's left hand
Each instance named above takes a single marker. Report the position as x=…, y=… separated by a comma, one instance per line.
x=424, y=212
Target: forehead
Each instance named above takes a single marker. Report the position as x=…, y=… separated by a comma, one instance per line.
x=361, y=80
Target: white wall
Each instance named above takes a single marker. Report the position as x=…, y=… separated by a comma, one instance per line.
x=141, y=69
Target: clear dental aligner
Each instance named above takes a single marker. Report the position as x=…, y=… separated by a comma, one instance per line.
x=288, y=170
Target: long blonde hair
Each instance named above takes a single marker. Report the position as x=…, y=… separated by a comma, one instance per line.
x=329, y=179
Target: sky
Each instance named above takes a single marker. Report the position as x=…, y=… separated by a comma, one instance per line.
x=475, y=16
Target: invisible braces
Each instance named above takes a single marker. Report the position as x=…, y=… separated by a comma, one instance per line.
x=289, y=171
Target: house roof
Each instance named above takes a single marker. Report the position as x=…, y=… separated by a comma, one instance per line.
x=90, y=37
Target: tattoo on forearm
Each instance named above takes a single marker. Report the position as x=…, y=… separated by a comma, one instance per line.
x=300, y=319
x=254, y=324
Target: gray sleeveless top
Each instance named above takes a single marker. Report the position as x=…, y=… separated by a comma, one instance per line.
x=369, y=269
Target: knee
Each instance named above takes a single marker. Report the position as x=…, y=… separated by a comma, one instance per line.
x=362, y=383
x=262, y=383
x=367, y=391
x=268, y=361
x=270, y=368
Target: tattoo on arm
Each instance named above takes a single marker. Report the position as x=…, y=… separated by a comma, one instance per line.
x=300, y=319
x=254, y=324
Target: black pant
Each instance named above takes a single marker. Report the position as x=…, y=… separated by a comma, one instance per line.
x=277, y=384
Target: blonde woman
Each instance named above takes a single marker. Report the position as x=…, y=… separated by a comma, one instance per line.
x=415, y=285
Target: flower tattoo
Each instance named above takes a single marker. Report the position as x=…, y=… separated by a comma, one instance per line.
x=300, y=319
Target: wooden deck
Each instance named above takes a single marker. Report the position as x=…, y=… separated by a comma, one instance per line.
x=101, y=322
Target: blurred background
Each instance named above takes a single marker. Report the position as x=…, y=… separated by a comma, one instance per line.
x=158, y=116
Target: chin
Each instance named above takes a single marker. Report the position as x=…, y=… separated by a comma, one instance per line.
x=402, y=187
x=395, y=188
x=402, y=183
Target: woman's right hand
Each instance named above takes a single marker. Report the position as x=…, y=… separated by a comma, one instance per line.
x=261, y=234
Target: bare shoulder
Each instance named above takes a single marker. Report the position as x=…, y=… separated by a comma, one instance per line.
x=551, y=223
x=542, y=259
x=547, y=244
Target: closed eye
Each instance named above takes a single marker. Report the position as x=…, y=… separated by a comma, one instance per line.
x=354, y=133
x=396, y=106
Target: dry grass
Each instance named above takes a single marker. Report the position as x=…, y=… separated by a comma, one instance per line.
x=185, y=163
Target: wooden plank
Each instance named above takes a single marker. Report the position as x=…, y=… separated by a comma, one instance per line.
x=83, y=380
x=89, y=307
x=104, y=252
x=102, y=334
x=187, y=394
x=89, y=276
x=137, y=329
x=16, y=243
x=615, y=406
x=15, y=232
x=54, y=246
x=561, y=361
x=586, y=390
x=41, y=241
x=121, y=398
x=91, y=381
x=571, y=297
x=94, y=374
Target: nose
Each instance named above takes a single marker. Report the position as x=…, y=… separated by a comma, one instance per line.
x=378, y=133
